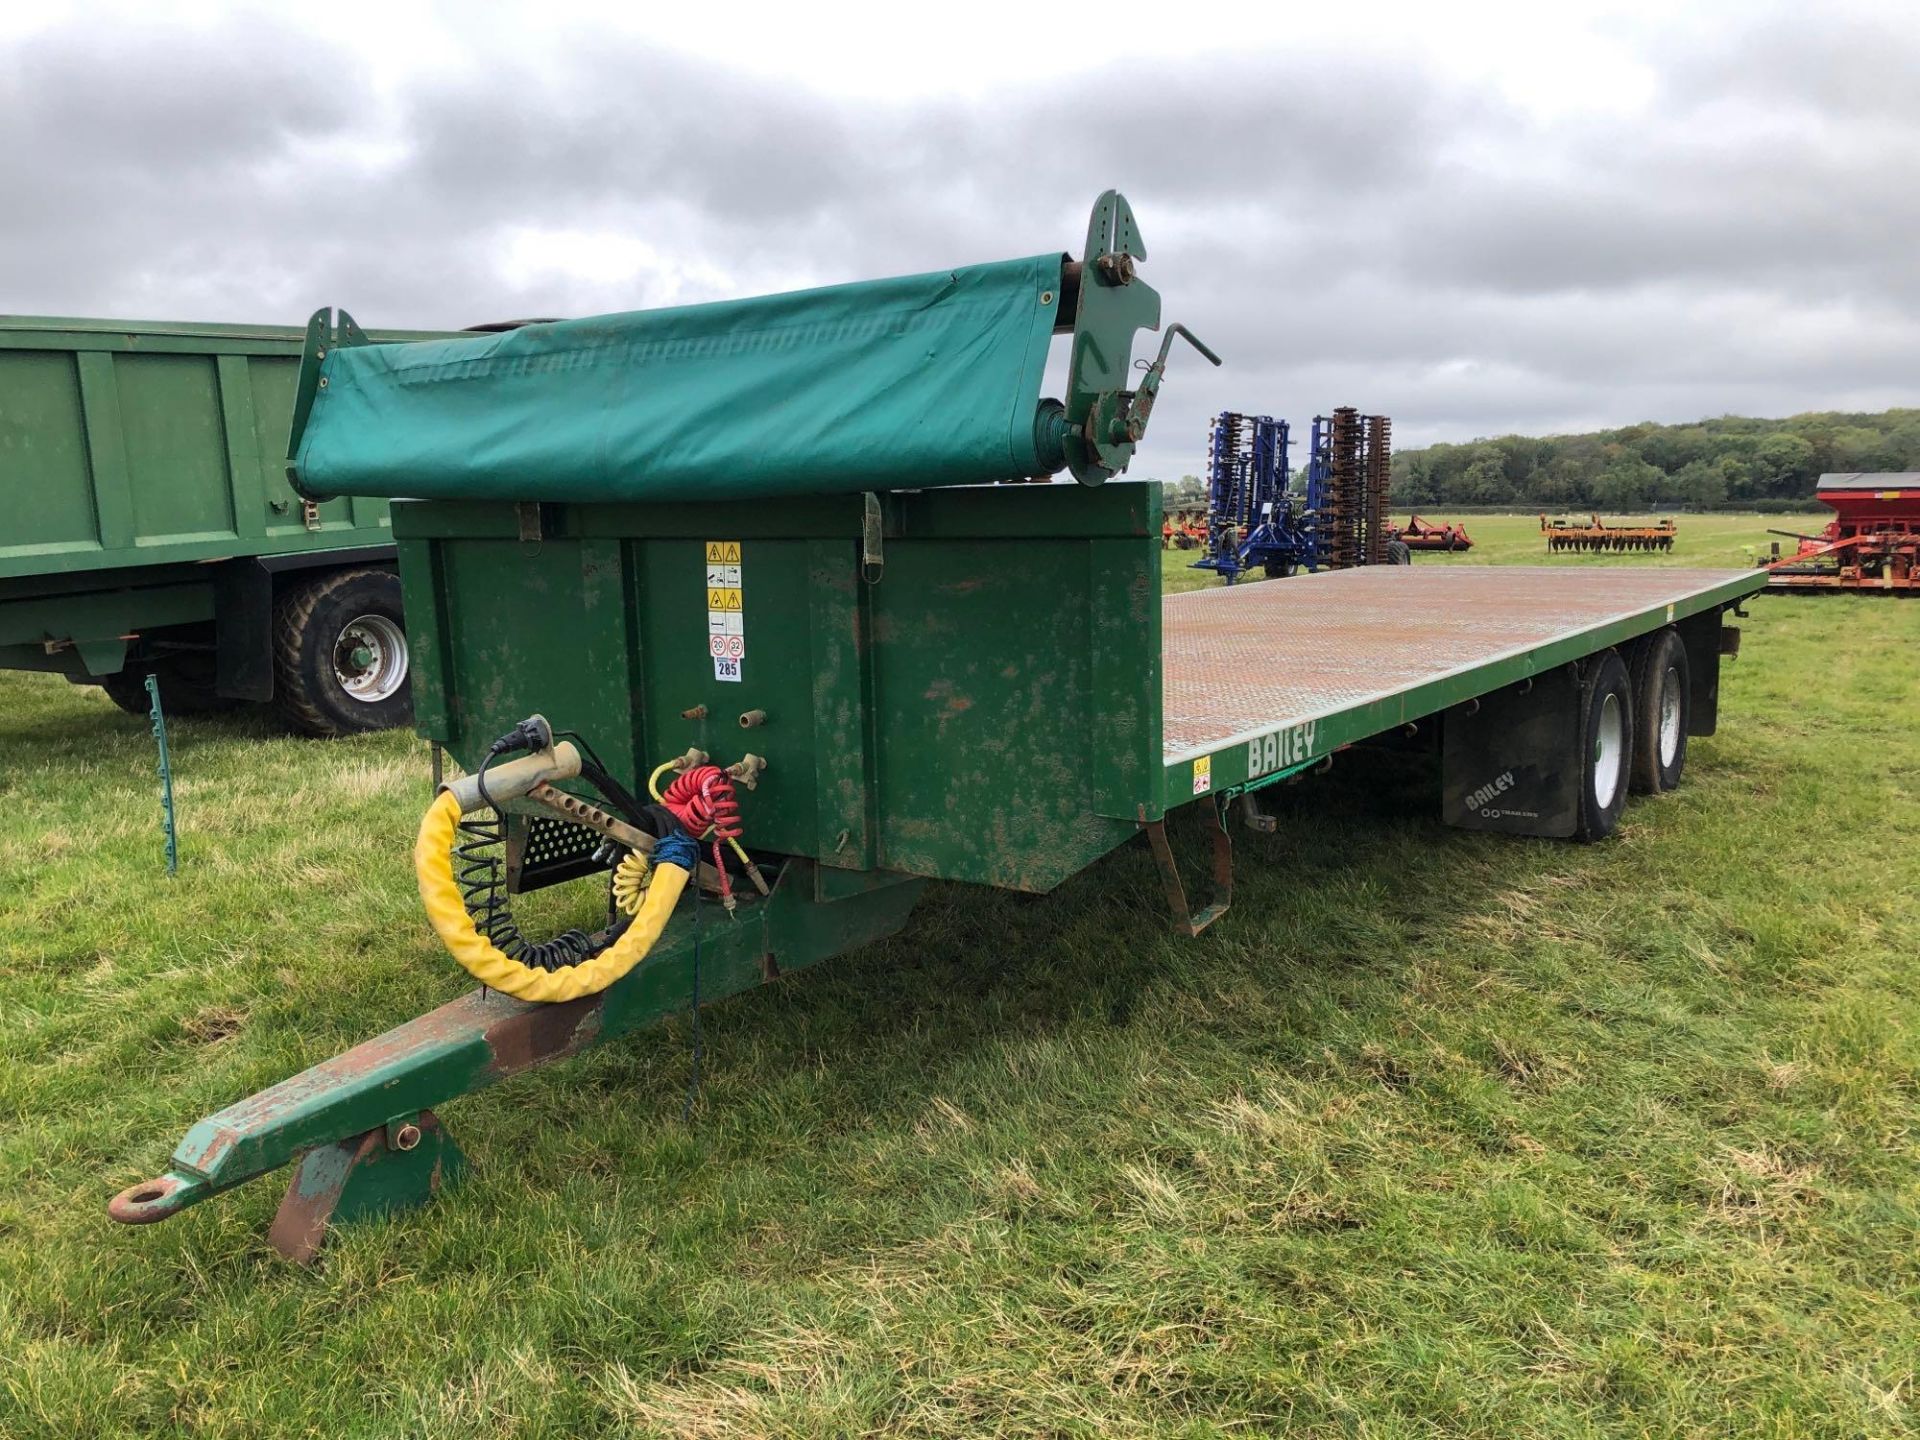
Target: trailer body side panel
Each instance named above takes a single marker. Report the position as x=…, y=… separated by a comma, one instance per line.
x=974, y=698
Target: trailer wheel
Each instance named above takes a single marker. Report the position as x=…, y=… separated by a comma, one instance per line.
x=186, y=685
x=1606, y=745
x=1399, y=553
x=1660, y=689
x=340, y=662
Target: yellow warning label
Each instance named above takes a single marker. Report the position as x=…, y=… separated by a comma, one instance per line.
x=1203, y=775
x=723, y=552
x=723, y=597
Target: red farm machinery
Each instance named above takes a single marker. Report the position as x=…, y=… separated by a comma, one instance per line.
x=1872, y=542
x=1184, y=528
x=1593, y=535
x=1420, y=533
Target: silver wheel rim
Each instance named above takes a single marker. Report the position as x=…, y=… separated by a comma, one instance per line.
x=1669, y=717
x=370, y=658
x=1609, y=738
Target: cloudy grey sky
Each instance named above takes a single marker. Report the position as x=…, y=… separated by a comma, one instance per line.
x=1474, y=217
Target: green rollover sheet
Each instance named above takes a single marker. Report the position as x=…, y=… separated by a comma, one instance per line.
x=918, y=381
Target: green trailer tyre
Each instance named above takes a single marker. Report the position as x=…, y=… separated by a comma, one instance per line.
x=1660, y=688
x=340, y=662
x=1606, y=745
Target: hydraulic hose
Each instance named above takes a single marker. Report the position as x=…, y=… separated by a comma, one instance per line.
x=674, y=858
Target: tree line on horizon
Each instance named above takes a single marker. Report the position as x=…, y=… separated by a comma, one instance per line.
x=1731, y=461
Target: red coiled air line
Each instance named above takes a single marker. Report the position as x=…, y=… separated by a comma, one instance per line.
x=702, y=799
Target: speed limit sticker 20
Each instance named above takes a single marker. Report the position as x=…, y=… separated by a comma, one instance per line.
x=726, y=609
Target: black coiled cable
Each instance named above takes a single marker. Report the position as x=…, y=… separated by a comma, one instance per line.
x=477, y=871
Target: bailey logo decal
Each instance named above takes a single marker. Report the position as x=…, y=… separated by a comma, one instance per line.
x=1280, y=749
x=1494, y=788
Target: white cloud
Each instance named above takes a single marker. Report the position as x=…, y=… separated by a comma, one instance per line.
x=1475, y=218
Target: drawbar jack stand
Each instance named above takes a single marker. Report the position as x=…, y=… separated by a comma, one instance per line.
x=1184, y=918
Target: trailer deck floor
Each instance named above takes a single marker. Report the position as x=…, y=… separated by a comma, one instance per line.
x=1244, y=659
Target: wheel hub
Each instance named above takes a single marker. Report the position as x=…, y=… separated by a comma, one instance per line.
x=1609, y=747
x=1669, y=716
x=370, y=658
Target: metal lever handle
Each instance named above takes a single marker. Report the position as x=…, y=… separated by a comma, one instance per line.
x=1141, y=408
x=1192, y=339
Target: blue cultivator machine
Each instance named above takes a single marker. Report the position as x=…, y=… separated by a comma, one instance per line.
x=1255, y=520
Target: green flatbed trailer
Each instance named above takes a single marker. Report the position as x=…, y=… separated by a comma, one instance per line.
x=981, y=684
x=1012, y=699
x=151, y=528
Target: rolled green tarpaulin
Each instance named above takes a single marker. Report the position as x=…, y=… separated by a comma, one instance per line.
x=919, y=381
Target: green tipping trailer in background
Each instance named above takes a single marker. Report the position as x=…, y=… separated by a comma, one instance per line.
x=147, y=526
x=687, y=565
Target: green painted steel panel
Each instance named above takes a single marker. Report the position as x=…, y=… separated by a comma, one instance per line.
x=42, y=434
x=948, y=720
x=921, y=380
x=239, y=427
x=133, y=443
x=106, y=452
x=80, y=634
x=985, y=708
x=170, y=411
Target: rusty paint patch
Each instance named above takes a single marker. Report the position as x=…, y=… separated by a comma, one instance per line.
x=300, y=1224
x=224, y=1138
x=539, y=1033
x=357, y=1178
x=148, y=1201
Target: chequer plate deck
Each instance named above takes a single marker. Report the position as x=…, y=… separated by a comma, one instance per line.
x=1246, y=659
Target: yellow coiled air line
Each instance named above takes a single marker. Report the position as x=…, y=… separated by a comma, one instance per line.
x=482, y=959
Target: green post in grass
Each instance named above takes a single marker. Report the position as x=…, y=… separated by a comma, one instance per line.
x=166, y=774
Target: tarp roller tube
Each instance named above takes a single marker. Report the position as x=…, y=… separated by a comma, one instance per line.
x=918, y=381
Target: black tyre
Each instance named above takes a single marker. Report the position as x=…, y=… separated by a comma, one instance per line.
x=186, y=685
x=1661, y=685
x=128, y=689
x=1399, y=553
x=340, y=655
x=1606, y=745
x=1278, y=569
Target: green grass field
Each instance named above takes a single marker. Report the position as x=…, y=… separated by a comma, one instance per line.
x=1433, y=1133
x=1734, y=540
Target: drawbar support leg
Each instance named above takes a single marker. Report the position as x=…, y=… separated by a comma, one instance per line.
x=395, y=1167
x=1185, y=919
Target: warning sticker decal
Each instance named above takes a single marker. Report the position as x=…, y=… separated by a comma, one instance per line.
x=726, y=609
